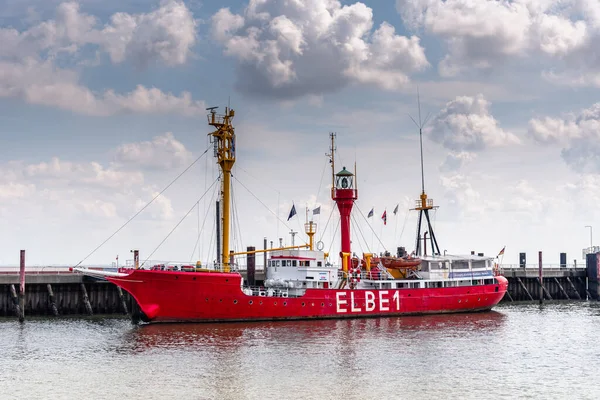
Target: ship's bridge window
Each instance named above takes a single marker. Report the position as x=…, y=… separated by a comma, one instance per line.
x=277, y=263
x=293, y=263
x=478, y=264
x=460, y=264
x=319, y=264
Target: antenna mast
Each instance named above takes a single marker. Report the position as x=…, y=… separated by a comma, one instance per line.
x=423, y=205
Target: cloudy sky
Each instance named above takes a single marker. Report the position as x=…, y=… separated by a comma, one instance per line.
x=102, y=105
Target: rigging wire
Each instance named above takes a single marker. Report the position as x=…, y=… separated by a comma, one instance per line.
x=179, y=223
x=236, y=219
x=201, y=229
x=326, y=224
x=354, y=230
x=143, y=208
x=403, y=225
x=361, y=213
x=336, y=229
x=263, y=204
x=361, y=234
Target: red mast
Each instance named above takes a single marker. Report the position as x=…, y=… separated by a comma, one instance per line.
x=344, y=194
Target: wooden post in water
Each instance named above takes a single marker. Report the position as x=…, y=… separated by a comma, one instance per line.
x=22, y=287
x=13, y=293
x=86, y=300
x=265, y=258
x=541, y=278
x=122, y=299
x=52, y=302
x=251, y=266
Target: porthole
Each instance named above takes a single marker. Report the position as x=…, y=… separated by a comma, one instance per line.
x=330, y=304
x=250, y=302
x=303, y=304
x=221, y=300
x=284, y=303
x=235, y=302
x=479, y=299
x=194, y=278
x=459, y=300
x=322, y=304
x=260, y=302
x=275, y=303
x=206, y=299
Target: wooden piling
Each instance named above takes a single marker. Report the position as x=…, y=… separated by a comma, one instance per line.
x=13, y=293
x=122, y=300
x=524, y=288
x=541, y=278
x=574, y=288
x=86, y=300
x=562, y=289
x=265, y=257
x=51, y=300
x=544, y=290
x=251, y=266
x=509, y=296
x=22, y=287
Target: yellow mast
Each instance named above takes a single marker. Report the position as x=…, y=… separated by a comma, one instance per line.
x=225, y=153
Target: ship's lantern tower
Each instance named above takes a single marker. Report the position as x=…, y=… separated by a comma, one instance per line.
x=344, y=194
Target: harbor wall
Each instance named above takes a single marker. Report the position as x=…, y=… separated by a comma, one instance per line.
x=64, y=295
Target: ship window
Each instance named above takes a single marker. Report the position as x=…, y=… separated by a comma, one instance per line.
x=277, y=263
x=319, y=264
x=293, y=263
x=460, y=264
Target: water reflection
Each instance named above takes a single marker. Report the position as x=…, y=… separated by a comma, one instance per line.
x=231, y=335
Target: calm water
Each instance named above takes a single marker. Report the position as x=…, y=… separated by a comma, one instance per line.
x=521, y=351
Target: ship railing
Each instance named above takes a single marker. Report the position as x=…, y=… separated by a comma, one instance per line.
x=375, y=275
x=545, y=267
x=160, y=265
x=36, y=270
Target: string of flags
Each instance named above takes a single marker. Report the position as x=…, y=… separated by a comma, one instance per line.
x=317, y=211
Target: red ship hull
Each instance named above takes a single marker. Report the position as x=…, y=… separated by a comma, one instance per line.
x=204, y=296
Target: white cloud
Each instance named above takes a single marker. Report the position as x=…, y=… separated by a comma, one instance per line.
x=465, y=124
x=42, y=83
x=28, y=59
x=166, y=34
x=290, y=49
x=579, y=134
x=59, y=172
x=93, y=190
x=454, y=161
x=162, y=152
x=484, y=34
x=13, y=190
x=161, y=208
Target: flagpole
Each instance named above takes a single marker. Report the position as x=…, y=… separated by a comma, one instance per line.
x=396, y=227
x=384, y=222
